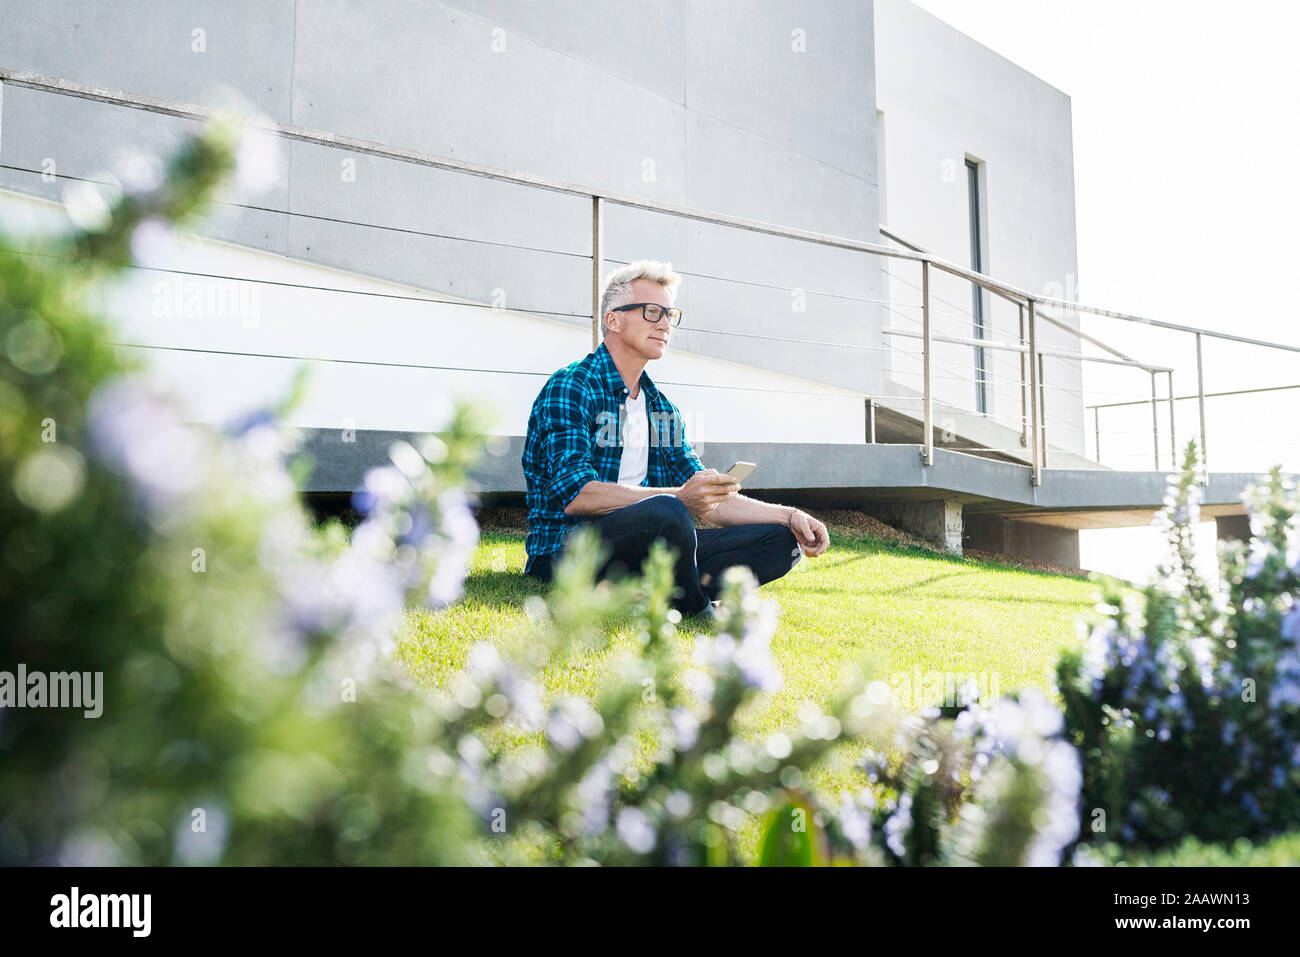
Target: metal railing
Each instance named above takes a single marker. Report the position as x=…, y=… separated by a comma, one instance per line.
x=1032, y=381
x=1030, y=306
x=1171, y=399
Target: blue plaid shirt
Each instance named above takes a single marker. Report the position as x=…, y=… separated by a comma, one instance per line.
x=575, y=436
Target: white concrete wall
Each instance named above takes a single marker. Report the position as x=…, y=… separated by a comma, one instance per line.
x=762, y=110
x=942, y=97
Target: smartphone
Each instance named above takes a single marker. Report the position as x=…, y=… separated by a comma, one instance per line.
x=740, y=471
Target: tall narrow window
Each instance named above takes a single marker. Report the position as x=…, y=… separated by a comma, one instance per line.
x=977, y=292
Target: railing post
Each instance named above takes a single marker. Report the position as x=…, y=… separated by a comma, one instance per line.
x=1155, y=422
x=1173, y=438
x=597, y=259
x=1096, y=428
x=871, y=421
x=1042, y=408
x=1035, y=470
x=1024, y=421
x=927, y=397
x=1200, y=401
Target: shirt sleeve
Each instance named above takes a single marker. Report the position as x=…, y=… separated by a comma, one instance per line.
x=566, y=439
x=682, y=460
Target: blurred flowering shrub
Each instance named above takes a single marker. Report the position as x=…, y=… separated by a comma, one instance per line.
x=993, y=786
x=1185, y=704
x=249, y=714
x=252, y=712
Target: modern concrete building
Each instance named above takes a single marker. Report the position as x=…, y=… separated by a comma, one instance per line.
x=404, y=282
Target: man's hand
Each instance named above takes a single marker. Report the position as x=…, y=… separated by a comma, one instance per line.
x=810, y=533
x=705, y=490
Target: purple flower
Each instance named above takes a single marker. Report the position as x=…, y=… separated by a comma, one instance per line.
x=855, y=822
x=248, y=421
x=351, y=597
x=595, y=793
x=135, y=430
x=1251, y=806
x=489, y=670
x=898, y=824
x=1291, y=625
x=750, y=658
x=634, y=830
x=571, y=722
x=1058, y=825
x=686, y=728
x=1259, y=553
x=456, y=540
x=419, y=529
x=381, y=488
x=1020, y=727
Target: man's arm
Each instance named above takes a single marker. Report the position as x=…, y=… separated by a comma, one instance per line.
x=748, y=511
x=701, y=494
x=561, y=416
x=811, y=534
x=736, y=509
x=600, y=498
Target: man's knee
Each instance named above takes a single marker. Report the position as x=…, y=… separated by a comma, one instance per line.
x=783, y=545
x=668, y=515
x=778, y=554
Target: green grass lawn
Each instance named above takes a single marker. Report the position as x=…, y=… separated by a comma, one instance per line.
x=903, y=608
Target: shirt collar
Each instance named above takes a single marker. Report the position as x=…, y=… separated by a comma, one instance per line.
x=613, y=381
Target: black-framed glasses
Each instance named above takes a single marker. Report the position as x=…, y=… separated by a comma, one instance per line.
x=653, y=312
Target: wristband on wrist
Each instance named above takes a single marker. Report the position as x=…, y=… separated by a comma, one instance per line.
x=789, y=520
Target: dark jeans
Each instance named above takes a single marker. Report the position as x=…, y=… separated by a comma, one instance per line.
x=703, y=554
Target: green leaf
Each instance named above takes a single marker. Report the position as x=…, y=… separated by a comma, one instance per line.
x=792, y=837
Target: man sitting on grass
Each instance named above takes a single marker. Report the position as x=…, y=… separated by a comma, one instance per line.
x=606, y=448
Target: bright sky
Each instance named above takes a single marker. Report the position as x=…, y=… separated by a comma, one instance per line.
x=1187, y=190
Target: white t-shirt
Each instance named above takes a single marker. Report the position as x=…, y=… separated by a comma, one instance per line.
x=636, y=442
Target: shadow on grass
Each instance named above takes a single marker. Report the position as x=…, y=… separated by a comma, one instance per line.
x=896, y=590
x=511, y=588
x=874, y=546
x=944, y=596
x=507, y=587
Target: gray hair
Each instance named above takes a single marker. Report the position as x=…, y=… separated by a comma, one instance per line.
x=617, y=288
